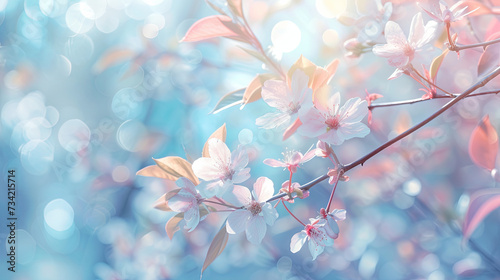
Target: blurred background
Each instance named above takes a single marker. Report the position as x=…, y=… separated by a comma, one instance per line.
x=92, y=90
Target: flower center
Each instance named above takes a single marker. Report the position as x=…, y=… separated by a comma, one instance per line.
x=332, y=122
x=254, y=208
x=409, y=51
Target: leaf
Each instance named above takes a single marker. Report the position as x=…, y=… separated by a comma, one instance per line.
x=236, y=7
x=229, y=100
x=472, y=5
x=113, y=58
x=481, y=205
x=155, y=171
x=162, y=202
x=291, y=129
x=216, y=247
x=436, y=64
x=483, y=144
x=305, y=65
x=213, y=6
x=209, y=27
x=490, y=57
x=177, y=167
x=172, y=225
x=254, y=89
x=220, y=133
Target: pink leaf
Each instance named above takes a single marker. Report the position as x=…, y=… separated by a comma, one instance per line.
x=483, y=145
x=216, y=247
x=490, y=56
x=482, y=204
x=177, y=167
x=291, y=129
x=155, y=171
x=209, y=27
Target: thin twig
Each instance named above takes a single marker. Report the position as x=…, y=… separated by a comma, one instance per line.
x=363, y=159
x=457, y=48
x=416, y=100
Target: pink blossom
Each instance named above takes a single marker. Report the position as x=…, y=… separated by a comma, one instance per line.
x=440, y=12
x=291, y=160
x=187, y=201
x=288, y=100
x=332, y=124
x=256, y=212
x=334, y=174
x=317, y=233
x=291, y=189
x=222, y=169
x=401, y=51
x=331, y=220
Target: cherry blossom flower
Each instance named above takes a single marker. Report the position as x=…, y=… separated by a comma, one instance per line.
x=222, y=169
x=323, y=149
x=401, y=51
x=292, y=188
x=440, y=12
x=332, y=218
x=187, y=201
x=291, y=160
x=288, y=100
x=332, y=124
x=317, y=233
x=256, y=212
x=334, y=176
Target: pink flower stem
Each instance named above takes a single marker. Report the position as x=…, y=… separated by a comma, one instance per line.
x=418, y=80
x=457, y=48
x=290, y=180
x=223, y=204
x=363, y=159
x=429, y=82
x=290, y=212
x=333, y=192
x=450, y=41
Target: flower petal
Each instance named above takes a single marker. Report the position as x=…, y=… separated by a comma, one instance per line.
x=298, y=241
x=239, y=159
x=352, y=130
x=299, y=86
x=394, y=35
x=269, y=213
x=276, y=94
x=256, y=229
x=192, y=218
x=241, y=176
x=237, y=221
x=273, y=120
x=315, y=248
x=206, y=169
x=219, y=152
x=263, y=189
x=240, y=196
x=182, y=202
x=274, y=163
x=338, y=214
x=313, y=123
x=354, y=110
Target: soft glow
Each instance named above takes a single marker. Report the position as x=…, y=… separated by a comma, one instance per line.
x=331, y=8
x=285, y=36
x=58, y=215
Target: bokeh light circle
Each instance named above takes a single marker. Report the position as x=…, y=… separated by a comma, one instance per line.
x=36, y=157
x=59, y=215
x=74, y=135
x=285, y=36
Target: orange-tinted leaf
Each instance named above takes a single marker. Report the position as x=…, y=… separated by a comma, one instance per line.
x=209, y=27
x=172, y=225
x=155, y=171
x=216, y=247
x=177, y=167
x=254, y=89
x=162, y=202
x=229, y=100
x=483, y=145
x=220, y=133
x=291, y=129
x=436, y=63
x=113, y=58
x=481, y=205
x=305, y=65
